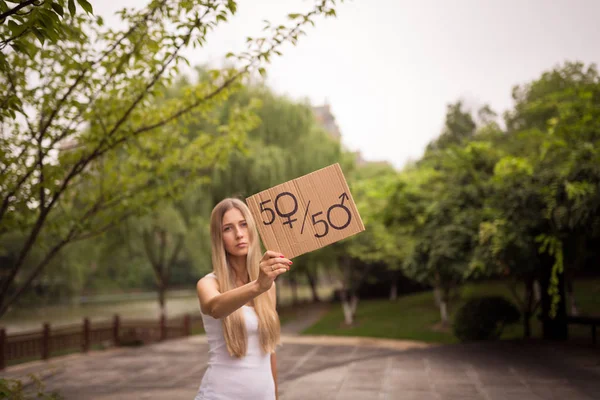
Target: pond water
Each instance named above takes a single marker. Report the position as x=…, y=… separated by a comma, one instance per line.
x=132, y=306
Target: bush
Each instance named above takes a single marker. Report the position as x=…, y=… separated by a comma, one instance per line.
x=484, y=318
x=14, y=389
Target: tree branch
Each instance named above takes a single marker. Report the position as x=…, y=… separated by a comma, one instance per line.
x=49, y=256
x=147, y=239
x=46, y=125
x=103, y=229
x=174, y=255
x=16, y=9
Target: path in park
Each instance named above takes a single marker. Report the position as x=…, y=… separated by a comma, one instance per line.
x=339, y=368
x=305, y=316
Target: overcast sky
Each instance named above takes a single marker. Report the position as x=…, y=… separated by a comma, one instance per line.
x=389, y=67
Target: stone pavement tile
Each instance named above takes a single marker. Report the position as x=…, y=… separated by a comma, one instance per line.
x=170, y=394
x=559, y=393
x=364, y=382
x=358, y=395
x=447, y=378
x=508, y=394
x=409, y=395
x=461, y=396
x=451, y=389
x=309, y=395
x=404, y=374
x=371, y=364
x=499, y=380
x=410, y=385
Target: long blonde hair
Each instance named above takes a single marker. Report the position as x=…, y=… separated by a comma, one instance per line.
x=234, y=328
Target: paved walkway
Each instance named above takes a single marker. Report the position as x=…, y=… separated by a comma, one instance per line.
x=334, y=368
x=305, y=317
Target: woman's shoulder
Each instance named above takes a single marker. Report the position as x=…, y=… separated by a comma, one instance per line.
x=211, y=275
x=210, y=278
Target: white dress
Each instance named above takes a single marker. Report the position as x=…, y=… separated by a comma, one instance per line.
x=230, y=378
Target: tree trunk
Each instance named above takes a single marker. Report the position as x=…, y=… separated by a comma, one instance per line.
x=393, y=276
x=445, y=298
x=537, y=290
x=312, y=281
x=348, y=306
x=161, y=300
x=573, y=310
x=554, y=328
x=437, y=296
x=444, y=312
x=394, y=290
x=529, y=302
x=294, y=287
x=353, y=304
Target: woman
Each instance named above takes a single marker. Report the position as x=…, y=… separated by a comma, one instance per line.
x=237, y=303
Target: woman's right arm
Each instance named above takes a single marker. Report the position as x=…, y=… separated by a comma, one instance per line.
x=219, y=305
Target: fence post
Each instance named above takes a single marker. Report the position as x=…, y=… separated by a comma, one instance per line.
x=116, y=323
x=85, y=343
x=187, y=331
x=2, y=348
x=46, y=341
x=163, y=327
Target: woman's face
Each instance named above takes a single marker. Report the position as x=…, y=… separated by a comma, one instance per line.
x=235, y=233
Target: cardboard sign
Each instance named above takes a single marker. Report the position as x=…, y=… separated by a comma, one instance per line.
x=306, y=213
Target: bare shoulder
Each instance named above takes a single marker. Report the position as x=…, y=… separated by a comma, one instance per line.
x=208, y=282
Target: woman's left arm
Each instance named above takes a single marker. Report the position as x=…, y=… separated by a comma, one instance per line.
x=273, y=293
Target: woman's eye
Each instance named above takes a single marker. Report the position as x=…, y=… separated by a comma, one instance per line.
x=244, y=224
x=226, y=229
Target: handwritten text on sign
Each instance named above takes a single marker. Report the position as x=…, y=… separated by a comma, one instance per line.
x=306, y=213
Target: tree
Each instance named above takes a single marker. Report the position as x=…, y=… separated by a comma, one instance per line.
x=376, y=247
x=439, y=204
x=79, y=153
x=559, y=111
x=459, y=126
x=287, y=143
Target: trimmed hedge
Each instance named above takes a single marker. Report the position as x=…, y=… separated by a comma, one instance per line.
x=484, y=318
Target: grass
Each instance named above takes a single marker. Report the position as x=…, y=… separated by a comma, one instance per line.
x=415, y=317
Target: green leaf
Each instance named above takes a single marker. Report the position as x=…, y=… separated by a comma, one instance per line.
x=58, y=9
x=262, y=72
x=232, y=6
x=39, y=35
x=72, y=7
x=86, y=6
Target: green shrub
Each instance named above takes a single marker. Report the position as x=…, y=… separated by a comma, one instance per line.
x=14, y=389
x=484, y=318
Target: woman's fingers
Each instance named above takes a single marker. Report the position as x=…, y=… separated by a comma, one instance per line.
x=278, y=260
x=276, y=267
x=278, y=270
x=271, y=254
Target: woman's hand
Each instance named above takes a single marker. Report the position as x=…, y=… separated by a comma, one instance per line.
x=271, y=266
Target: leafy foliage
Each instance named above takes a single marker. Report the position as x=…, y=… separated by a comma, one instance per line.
x=14, y=389
x=88, y=137
x=484, y=318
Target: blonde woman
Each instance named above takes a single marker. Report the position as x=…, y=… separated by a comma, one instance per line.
x=237, y=303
